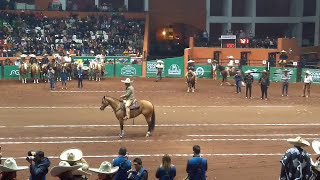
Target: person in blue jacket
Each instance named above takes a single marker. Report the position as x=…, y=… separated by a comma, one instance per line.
x=139, y=172
x=39, y=166
x=64, y=77
x=124, y=165
x=197, y=166
x=238, y=80
x=166, y=171
x=80, y=74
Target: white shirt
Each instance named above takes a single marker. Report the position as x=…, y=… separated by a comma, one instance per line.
x=67, y=59
x=308, y=79
x=159, y=66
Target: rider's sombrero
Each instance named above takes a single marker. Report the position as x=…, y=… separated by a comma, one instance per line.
x=191, y=61
x=298, y=141
x=32, y=55
x=105, y=168
x=248, y=71
x=45, y=55
x=316, y=146
x=283, y=51
x=67, y=53
x=72, y=154
x=63, y=167
x=308, y=72
x=159, y=61
x=127, y=81
x=286, y=70
x=4, y=50
x=23, y=56
x=98, y=56
x=10, y=165
x=230, y=57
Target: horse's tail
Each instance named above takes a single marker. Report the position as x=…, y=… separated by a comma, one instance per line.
x=153, y=119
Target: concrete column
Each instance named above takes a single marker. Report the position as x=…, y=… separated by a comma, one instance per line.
x=208, y=15
x=298, y=33
x=126, y=3
x=251, y=8
x=146, y=5
x=316, y=25
x=227, y=8
x=296, y=8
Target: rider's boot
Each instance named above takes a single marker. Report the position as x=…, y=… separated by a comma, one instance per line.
x=127, y=113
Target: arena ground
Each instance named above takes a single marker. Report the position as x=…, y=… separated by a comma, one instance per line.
x=242, y=138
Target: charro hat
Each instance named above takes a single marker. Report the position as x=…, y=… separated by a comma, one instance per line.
x=248, y=71
x=230, y=57
x=63, y=167
x=23, y=56
x=191, y=61
x=127, y=81
x=105, y=168
x=298, y=141
x=72, y=154
x=316, y=146
x=32, y=55
x=286, y=70
x=80, y=172
x=160, y=61
x=283, y=51
x=308, y=72
x=4, y=50
x=10, y=165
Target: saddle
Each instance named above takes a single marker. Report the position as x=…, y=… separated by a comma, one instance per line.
x=134, y=105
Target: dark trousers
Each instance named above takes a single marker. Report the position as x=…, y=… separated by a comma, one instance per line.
x=80, y=83
x=264, y=91
x=238, y=86
x=51, y=83
x=285, y=86
x=248, y=90
x=64, y=82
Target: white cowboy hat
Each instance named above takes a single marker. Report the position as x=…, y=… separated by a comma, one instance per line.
x=283, y=51
x=72, y=154
x=230, y=57
x=248, y=71
x=80, y=172
x=4, y=50
x=32, y=55
x=316, y=146
x=127, y=81
x=63, y=167
x=191, y=61
x=68, y=53
x=105, y=168
x=286, y=70
x=92, y=52
x=308, y=72
x=45, y=55
x=23, y=56
x=10, y=165
x=298, y=141
x=160, y=61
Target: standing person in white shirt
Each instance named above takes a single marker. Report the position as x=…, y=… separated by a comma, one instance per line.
x=307, y=84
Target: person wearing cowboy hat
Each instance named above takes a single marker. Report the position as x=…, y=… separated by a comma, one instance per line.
x=283, y=57
x=191, y=67
x=105, y=171
x=285, y=81
x=248, y=79
x=128, y=97
x=214, y=69
x=264, y=83
x=23, y=57
x=296, y=163
x=307, y=83
x=159, y=68
x=64, y=170
x=4, y=53
x=316, y=165
x=80, y=77
x=74, y=156
x=67, y=58
x=230, y=65
x=9, y=169
x=32, y=59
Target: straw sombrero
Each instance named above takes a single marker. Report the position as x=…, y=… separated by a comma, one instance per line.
x=80, y=172
x=127, y=81
x=248, y=71
x=191, y=61
x=283, y=51
x=105, y=168
x=230, y=57
x=23, y=56
x=159, y=61
x=286, y=70
x=308, y=72
x=298, y=141
x=316, y=146
x=32, y=55
x=10, y=165
x=72, y=154
x=63, y=167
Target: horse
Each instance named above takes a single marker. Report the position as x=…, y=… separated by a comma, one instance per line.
x=191, y=81
x=98, y=71
x=44, y=72
x=282, y=63
x=68, y=67
x=23, y=72
x=35, y=72
x=146, y=108
x=224, y=73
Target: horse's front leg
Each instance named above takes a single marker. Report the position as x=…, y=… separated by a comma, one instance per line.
x=121, y=128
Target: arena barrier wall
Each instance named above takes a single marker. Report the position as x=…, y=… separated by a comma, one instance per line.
x=315, y=74
x=173, y=67
x=11, y=72
x=275, y=74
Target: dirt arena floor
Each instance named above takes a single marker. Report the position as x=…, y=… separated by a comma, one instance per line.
x=242, y=139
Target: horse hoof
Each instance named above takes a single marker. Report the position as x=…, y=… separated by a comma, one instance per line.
x=121, y=135
x=148, y=134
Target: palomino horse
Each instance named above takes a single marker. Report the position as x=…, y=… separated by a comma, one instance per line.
x=224, y=73
x=146, y=108
x=282, y=63
x=191, y=81
x=23, y=72
x=98, y=71
x=35, y=72
x=44, y=72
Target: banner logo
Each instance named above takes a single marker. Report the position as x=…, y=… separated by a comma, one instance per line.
x=128, y=71
x=174, y=70
x=200, y=71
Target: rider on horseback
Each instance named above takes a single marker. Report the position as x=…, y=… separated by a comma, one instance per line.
x=230, y=65
x=128, y=97
x=283, y=58
x=192, y=68
x=32, y=59
x=67, y=58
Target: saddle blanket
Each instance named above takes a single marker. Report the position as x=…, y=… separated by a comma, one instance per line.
x=134, y=105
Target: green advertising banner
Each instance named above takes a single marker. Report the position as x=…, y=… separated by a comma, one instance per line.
x=174, y=67
x=315, y=74
x=255, y=69
x=275, y=74
x=119, y=59
x=203, y=71
x=11, y=72
x=109, y=70
x=151, y=68
x=123, y=70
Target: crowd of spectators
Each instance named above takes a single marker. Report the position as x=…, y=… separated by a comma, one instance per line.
x=110, y=35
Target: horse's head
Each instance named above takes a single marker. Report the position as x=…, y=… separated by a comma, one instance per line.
x=221, y=68
x=104, y=103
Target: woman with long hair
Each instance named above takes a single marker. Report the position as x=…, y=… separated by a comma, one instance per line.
x=166, y=170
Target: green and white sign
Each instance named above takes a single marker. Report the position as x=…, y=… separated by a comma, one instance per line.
x=123, y=70
x=151, y=68
x=256, y=71
x=315, y=74
x=173, y=67
x=203, y=71
x=11, y=72
x=276, y=73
